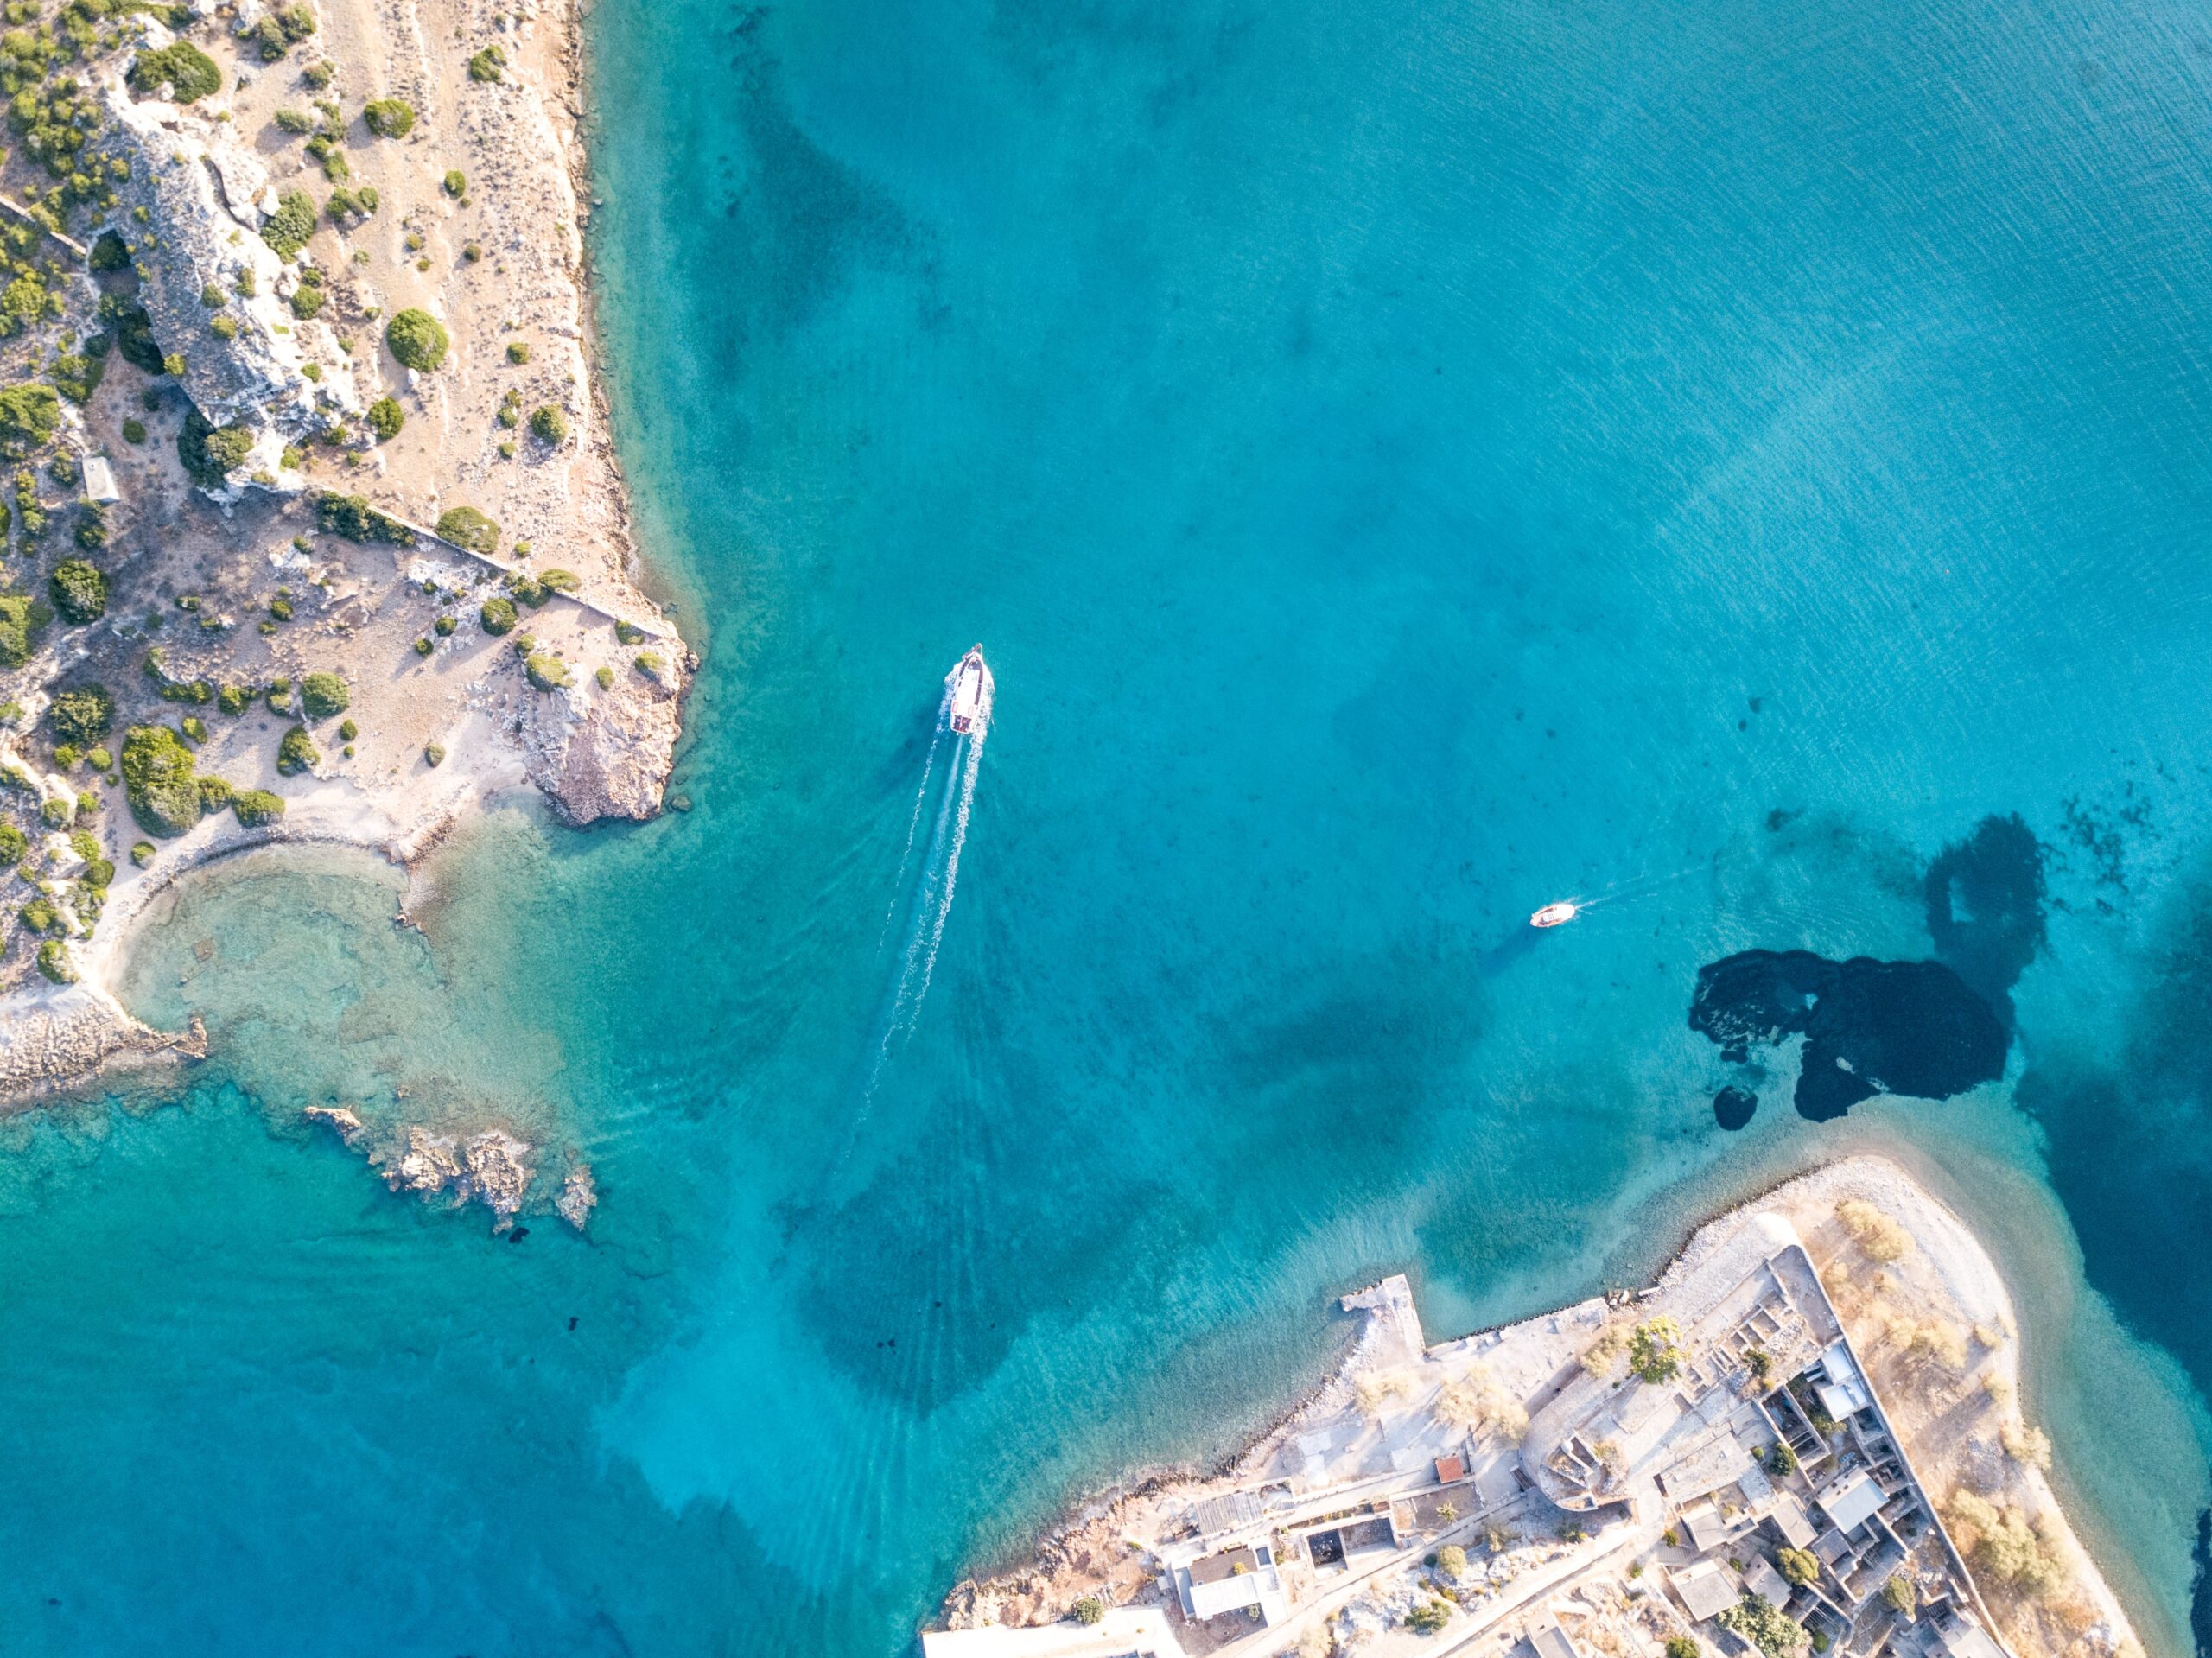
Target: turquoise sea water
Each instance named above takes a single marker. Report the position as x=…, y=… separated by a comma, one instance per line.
x=1407, y=462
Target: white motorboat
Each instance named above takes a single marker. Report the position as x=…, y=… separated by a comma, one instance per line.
x=969, y=688
x=1555, y=915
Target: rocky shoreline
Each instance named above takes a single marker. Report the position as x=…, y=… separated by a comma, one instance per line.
x=293, y=181
x=1923, y=1280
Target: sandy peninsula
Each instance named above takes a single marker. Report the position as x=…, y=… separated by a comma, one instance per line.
x=1805, y=1438
x=316, y=533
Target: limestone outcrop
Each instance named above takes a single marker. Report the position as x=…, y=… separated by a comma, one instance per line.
x=603, y=752
x=205, y=197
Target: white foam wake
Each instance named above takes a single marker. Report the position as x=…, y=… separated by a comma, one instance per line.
x=946, y=798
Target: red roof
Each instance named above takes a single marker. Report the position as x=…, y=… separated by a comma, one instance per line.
x=1449, y=1468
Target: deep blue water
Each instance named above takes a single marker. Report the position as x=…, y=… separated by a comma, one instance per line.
x=1407, y=463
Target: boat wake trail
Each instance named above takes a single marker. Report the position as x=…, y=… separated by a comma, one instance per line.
x=925, y=888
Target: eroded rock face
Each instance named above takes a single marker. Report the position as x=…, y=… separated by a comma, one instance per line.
x=603, y=753
x=493, y=1168
x=207, y=197
x=579, y=1197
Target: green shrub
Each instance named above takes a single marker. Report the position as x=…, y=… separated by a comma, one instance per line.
x=297, y=752
x=323, y=695
x=134, y=337
x=295, y=121
x=79, y=591
x=39, y=915
x=605, y=675
x=256, y=807
x=210, y=454
x=444, y=626
x=190, y=74
x=28, y=415
x=1089, y=1609
x=628, y=633
x=214, y=793
x=66, y=756
x=54, y=962
x=1800, y=1565
x=1655, y=1349
x=193, y=727
x=649, y=663
x=465, y=526
x=99, y=758
x=14, y=844
x=77, y=374
x=319, y=75
x=1451, y=1562
x=456, y=183
x=517, y=352
x=141, y=852
x=232, y=699
x=99, y=875
x=498, y=615
x=390, y=117
x=417, y=340
x=21, y=621
x=347, y=731
x=433, y=754
x=158, y=781
x=1429, y=1616
x=560, y=581
x=134, y=430
x=546, y=672
x=1781, y=1460
x=291, y=225
x=55, y=813
x=1774, y=1633
x=352, y=517
x=110, y=252
x=423, y=647
x=386, y=417
x=81, y=715
x=548, y=424
x=307, y=302
x=488, y=64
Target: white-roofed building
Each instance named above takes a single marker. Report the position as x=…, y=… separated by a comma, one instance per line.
x=1231, y=1581
x=1706, y=1589
x=1791, y=1521
x=1845, y=1394
x=1760, y=1578
x=99, y=481
x=1851, y=1501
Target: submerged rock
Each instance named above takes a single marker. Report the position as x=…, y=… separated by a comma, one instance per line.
x=1869, y=1027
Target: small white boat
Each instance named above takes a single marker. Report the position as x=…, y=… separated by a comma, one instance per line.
x=970, y=684
x=1554, y=915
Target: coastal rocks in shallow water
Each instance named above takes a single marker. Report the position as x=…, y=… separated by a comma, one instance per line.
x=1869, y=1027
x=493, y=1168
x=1733, y=1108
x=579, y=1197
x=603, y=753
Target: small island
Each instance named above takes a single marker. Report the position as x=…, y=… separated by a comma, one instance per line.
x=1805, y=1439
x=313, y=530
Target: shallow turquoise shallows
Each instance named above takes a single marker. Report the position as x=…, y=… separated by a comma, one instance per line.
x=1407, y=463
